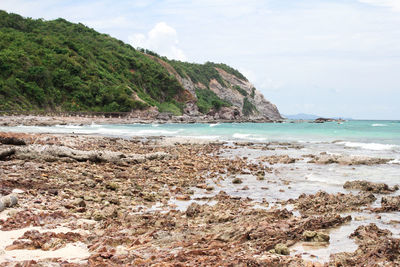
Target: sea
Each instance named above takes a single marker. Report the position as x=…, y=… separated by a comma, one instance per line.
x=373, y=135
x=353, y=138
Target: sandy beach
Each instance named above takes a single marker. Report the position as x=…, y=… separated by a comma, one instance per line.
x=107, y=201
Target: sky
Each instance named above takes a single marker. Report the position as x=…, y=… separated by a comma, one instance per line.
x=333, y=58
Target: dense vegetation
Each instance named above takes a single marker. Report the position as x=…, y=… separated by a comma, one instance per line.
x=240, y=90
x=58, y=65
x=61, y=65
x=248, y=107
x=198, y=73
x=207, y=99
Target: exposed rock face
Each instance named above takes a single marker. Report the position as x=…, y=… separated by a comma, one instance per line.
x=265, y=107
x=235, y=90
x=265, y=110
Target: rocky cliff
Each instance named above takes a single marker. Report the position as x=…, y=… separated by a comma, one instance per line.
x=243, y=99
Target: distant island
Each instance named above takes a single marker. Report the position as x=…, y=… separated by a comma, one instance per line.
x=304, y=116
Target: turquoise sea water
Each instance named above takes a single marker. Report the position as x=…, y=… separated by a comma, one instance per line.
x=369, y=132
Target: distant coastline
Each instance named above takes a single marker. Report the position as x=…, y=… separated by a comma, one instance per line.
x=87, y=118
x=305, y=116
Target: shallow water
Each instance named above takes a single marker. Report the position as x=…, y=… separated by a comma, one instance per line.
x=288, y=181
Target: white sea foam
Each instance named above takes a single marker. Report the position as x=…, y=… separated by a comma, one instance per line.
x=94, y=125
x=157, y=132
x=68, y=126
x=241, y=136
x=323, y=180
x=129, y=132
x=378, y=125
x=395, y=161
x=369, y=146
x=215, y=124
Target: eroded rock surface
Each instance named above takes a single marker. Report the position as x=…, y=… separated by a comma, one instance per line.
x=128, y=214
x=323, y=202
x=55, y=153
x=389, y=204
x=347, y=160
x=377, y=247
x=379, y=188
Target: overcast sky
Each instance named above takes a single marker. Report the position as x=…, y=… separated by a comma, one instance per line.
x=330, y=57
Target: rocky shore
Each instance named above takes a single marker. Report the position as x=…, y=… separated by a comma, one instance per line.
x=101, y=201
x=39, y=120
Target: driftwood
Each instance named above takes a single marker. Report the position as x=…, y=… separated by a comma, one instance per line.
x=55, y=153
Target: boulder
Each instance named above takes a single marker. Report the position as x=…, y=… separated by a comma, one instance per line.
x=379, y=188
x=313, y=236
x=281, y=249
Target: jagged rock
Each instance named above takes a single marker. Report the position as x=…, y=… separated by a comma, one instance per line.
x=322, y=202
x=347, y=160
x=112, y=186
x=376, y=247
x=283, y=159
x=237, y=181
x=389, y=203
x=366, y=186
x=281, y=249
x=90, y=183
x=183, y=197
x=8, y=201
x=5, y=153
x=322, y=120
x=53, y=153
x=313, y=236
x=80, y=203
x=210, y=188
x=193, y=210
x=11, y=140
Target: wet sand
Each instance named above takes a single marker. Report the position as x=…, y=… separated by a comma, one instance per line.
x=103, y=201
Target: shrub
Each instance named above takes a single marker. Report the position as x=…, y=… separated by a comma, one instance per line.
x=248, y=108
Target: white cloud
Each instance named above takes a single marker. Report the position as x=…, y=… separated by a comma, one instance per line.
x=293, y=51
x=162, y=39
x=393, y=4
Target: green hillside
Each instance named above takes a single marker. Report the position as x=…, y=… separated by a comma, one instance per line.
x=59, y=65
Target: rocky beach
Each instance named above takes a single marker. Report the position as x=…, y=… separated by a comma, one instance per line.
x=78, y=200
x=131, y=118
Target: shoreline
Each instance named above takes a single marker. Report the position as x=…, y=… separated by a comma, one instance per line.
x=34, y=120
x=152, y=201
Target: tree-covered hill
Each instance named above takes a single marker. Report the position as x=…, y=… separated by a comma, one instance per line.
x=59, y=65
x=62, y=66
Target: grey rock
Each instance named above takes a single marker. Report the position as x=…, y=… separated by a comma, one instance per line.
x=53, y=153
x=8, y=201
x=5, y=153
